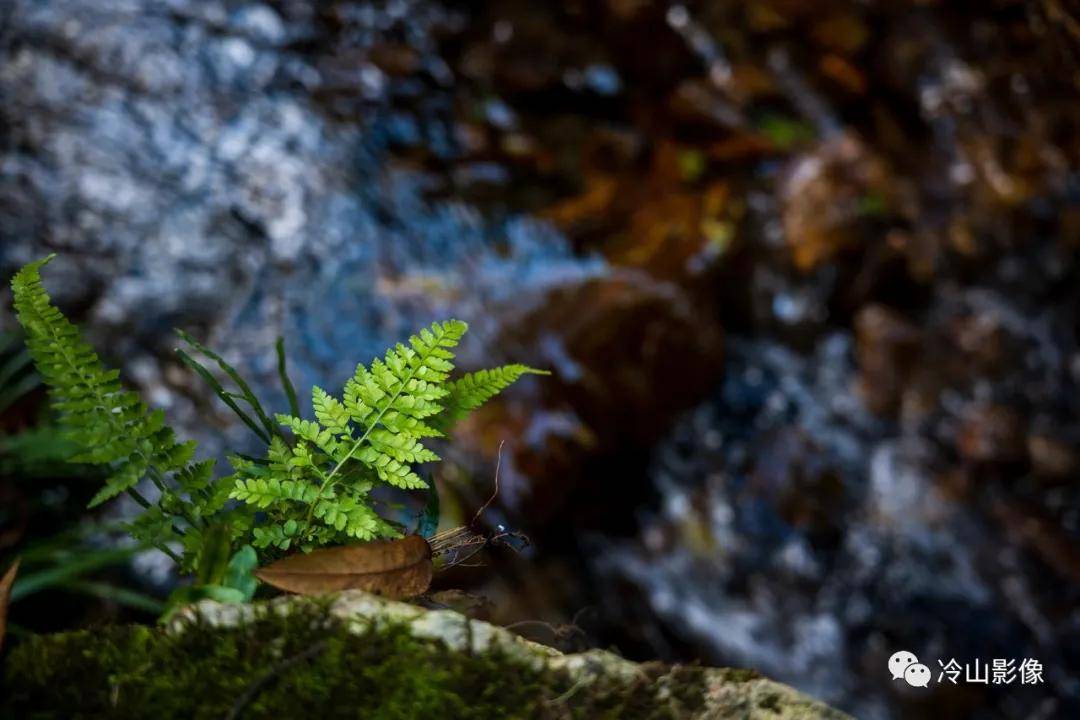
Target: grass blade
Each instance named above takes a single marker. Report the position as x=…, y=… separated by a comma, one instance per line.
x=286, y=383
x=9, y=394
x=14, y=365
x=221, y=392
x=245, y=389
x=30, y=583
x=121, y=596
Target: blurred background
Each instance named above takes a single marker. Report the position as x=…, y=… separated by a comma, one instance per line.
x=806, y=275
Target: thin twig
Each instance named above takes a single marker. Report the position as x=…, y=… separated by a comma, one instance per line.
x=498, y=465
x=468, y=537
x=581, y=682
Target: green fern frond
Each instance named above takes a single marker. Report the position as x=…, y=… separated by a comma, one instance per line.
x=472, y=390
x=196, y=478
x=110, y=425
x=373, y=435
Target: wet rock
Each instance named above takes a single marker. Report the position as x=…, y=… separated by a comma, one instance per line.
x=609, y=341
x=818, y=522
x=456, y=665
x=888, y=350
x=824, y=198
x=1044, y=536
x=699, y=103
x=991, y=434
x=852, y=180
x=1052, y=456
x=209, y=181
x=984, y=341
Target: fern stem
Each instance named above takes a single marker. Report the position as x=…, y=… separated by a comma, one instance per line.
x=155, y=477
x=286, y=383
x=137, y=497
x=172, y=556
x=159, y=481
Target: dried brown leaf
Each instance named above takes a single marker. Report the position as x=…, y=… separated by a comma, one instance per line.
x=394, y=568
x=5, y=595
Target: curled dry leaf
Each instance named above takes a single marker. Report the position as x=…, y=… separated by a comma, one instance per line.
x=395, y=568
x=5, y=595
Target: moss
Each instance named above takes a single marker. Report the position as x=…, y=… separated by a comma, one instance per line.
x=770, y=701
x=738, y=675
x=307, y=664
x=652, y=696
x=358, y=655
x=686, y=685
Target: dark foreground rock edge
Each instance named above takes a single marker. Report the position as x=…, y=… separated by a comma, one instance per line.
x=359, y=655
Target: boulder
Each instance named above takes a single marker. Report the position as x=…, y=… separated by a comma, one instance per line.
x=359, y=655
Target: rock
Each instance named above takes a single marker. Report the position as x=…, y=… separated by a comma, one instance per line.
x=218, y=179
x=792, y=506
x=991, y=434
x=1051, y=456
x=249, y=168
x=888, y=348
x=608, y=341
x=360, y=653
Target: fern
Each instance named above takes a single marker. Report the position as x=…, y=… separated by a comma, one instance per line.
x=314, y=484
x=316, y=490
x=112, y=428
x=474, y=389
x=110, y=424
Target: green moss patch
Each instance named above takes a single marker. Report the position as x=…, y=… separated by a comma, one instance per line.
x=306, y=664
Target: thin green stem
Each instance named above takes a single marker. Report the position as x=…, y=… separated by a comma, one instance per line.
x=159, y=481
x=119, y=595
x=172, y=556
x=137, y=496
x=68, y=567
x=155, y=477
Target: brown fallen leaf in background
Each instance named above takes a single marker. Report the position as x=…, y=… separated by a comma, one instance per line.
x=395, y=568
x=5, y=595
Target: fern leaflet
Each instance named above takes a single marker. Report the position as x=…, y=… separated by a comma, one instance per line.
x=472, y=390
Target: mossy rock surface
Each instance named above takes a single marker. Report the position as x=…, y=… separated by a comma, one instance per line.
x=360, y=656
